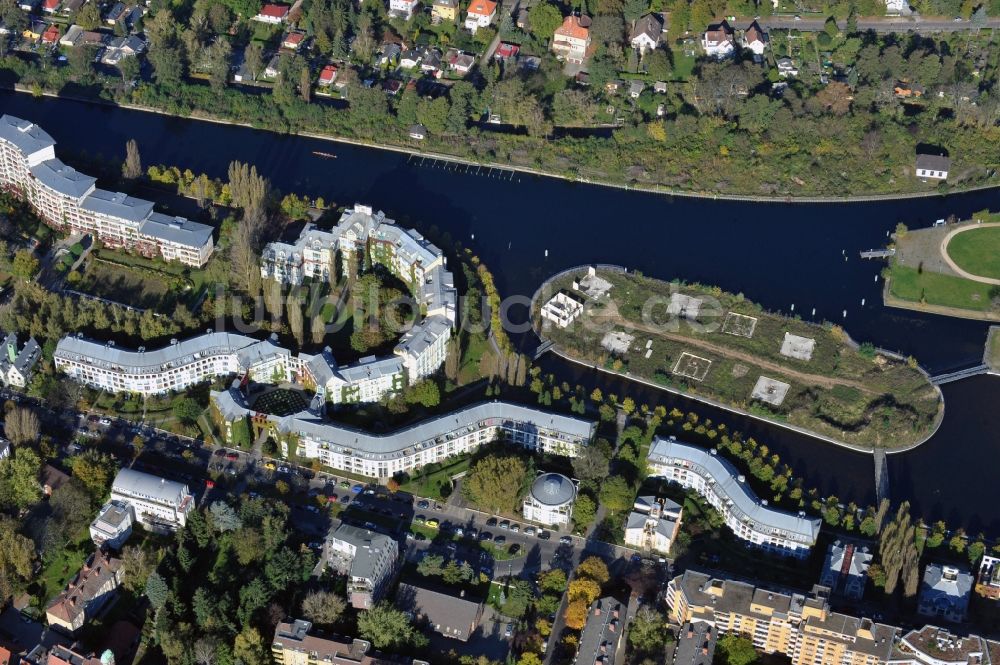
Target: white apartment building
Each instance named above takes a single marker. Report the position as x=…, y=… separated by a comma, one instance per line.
x=368, y=558
x=424, y=347
x=112, y=526
x=69, y=201
x=719, y=482
x=403, y=9
x=159, y=505
x=653, y=524
x=550, y=500
x=433, y=440
x=205, y=357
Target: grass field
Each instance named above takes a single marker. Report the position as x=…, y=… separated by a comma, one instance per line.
x=977, y=251
x=125, y=285
x=938, y=289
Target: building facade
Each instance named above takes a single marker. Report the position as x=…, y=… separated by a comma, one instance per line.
x=845, y=569
x=158, y=504
x=112, y=526
x=797, y=625
x=368, y=558
x=432, y=440
x=295, y=643
x=572, y=39
x=718, y=481
x=69, y=201
x=653, y=524
x=945, y=592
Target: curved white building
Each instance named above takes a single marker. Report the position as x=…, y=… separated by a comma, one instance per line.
x=70, y=201
x=550, y=500
x=716, y=479
x=432, y=440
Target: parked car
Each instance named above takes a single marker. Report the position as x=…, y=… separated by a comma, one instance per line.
x=529, y=530
x=515, y=528
x=514, y=549
x=509, y=631
x=500, y=540
x=505, y=525
x=433, y=523
x=491, y=521
x=544, y=535
x=566, y=540
x=232, y=457
x=485, y=535
x=357, y=489
x=423, y=504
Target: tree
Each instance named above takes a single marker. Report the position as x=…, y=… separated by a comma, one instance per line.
x=187, y=410
x=89, y=16
x=25, y=264
x=94, y=470
x=387, y=628
x=735, y=650
x=553, y=580
x=253, y=58
x=157, y=590
x=519, y=595
x=135, y=568
x=250, y=649
x=576, y=614
x=658, y=64
x=495, y=482
x=132, y=167
x=17, y=557
x=617, y=495
x=591, y=465
x=584, y=511
x=224, y=518
x=305, y=84
x=584, y=589
x=544, y=18
x=21, y=426
x=19, y=486
x=323, y=607
x=593, y=568
x=648, y=631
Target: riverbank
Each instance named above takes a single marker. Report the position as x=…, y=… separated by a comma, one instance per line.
x=413, y=151
x=728, y=352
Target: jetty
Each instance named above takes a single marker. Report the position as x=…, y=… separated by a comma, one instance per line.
x=878, y=253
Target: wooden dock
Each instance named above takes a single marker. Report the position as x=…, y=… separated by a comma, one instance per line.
x=878, y=253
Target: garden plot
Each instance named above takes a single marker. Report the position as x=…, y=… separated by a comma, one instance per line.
x=770, y=390
x=692, y=367
x=739, y=325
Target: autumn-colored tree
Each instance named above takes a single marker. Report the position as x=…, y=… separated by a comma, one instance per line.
x=584, y=590
x=576, y=614
x=593, y=568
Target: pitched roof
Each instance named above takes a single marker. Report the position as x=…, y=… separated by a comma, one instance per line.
x=754, y=34
x=62, y=178
x=933, y=162
x=482, y=7
x=449, y=615
x=130, y=483
x=574, y=27
x=650, y=25
x=274, y=11
x=179, y=230
x=117, y=204
x=88, y=585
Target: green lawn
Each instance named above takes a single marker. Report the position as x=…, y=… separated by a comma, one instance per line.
x=683, y=66
x=58, y=571
x=939, y=289
x=977, y=251
x=429, y=485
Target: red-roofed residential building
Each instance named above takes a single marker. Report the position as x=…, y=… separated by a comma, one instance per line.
x=272, y=14
x=718, y=40
x=50, y=6
x=5, y=656
x=572, y=39
x=86, y=593
x=293, y=40
x=327, y=75
x=480, y=14
x=755, y=39
x=51, y=35
x=507, y=50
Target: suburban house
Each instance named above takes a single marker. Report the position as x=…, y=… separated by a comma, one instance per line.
x=459, y=62
x=295, y=643
x=368, y=558
x=572, y=39
x=933, y=166
x=718, y=41
x=327, y=76
x=944, y=592
x=50, y=6
x=755, y=39
x=403, y=9
x=653, y=524
x=158, y=504
x=786, y=67
x=635, y=88
x=17, y=367
x=409, y=59
x=506, y=50
x=293, y=40
x=116, y=13
x=645, y=36
x=86, y=594
x=480, y=14
x=112, y=526
x=845, y=569
x=452, y=616
x=51, y=35
x=444, y=10
x=272, y=13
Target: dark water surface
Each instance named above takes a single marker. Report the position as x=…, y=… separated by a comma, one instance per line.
x=777, y=254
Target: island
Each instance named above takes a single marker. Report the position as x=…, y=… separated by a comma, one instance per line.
x=724, y=349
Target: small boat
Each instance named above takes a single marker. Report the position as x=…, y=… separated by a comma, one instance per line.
x=324, y=155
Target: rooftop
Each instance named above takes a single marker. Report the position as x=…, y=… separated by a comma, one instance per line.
x=130, y=483
x=63, y=179
x=89, y=584
x=553, y=489
x=452, y=616
x=28, y=137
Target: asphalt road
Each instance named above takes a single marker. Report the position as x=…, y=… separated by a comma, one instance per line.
x=886, y=25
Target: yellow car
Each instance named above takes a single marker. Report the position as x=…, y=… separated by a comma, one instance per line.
x=270, y=466
x=433, y=523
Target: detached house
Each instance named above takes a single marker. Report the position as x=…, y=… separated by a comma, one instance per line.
x=293, y=41
x=327, y=76
x=718, y=41
x=645, y=36
x=572, y=39
x=403, y=9
x=480, y=15
x=85, y=594
x=755, y=39
x=444, y=10
x=50, y=6
x=273, y=14
x=933, y=166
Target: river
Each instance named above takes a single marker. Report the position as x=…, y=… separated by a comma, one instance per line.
x=796, y=258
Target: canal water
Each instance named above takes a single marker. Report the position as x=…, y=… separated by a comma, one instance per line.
x=795, y=258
